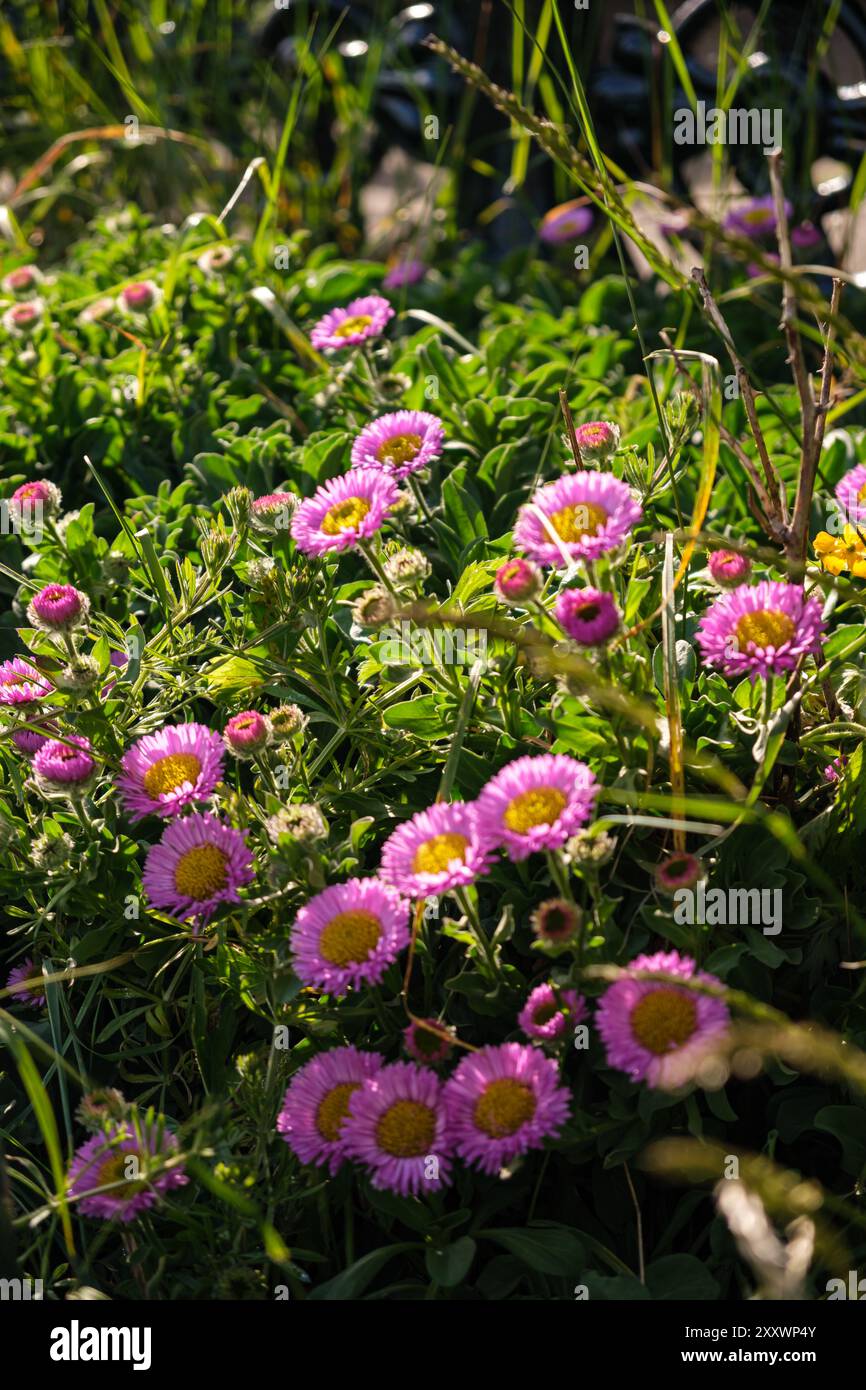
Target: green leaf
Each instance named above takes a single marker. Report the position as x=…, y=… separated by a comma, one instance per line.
x=450, y=1266
x=549, y=1249
x=351, y=1282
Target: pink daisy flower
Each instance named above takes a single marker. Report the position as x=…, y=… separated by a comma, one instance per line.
x=728, y=568
x=362, y=319
x=139, y=298
x=273, y=512
x=97, y=310
x=589, y=514
x=28, y=741
x=27, y=970
x=247, y=733
x=402, y=443
x=656, y=1032
x=550, y=1013
x=397, y=1127
x=118, y=1161
x=316, y=1104
x=426, y=1047
x=437, y=850
x=344, y=511
x=806, y=235
x=199, y=863
x=851, y=493
x=565, y=222
x=756, y=217
x=536, y=803
x=502, y=1102
x=35, y=499
x=164, y=772
x=21, y=683
x=58, y=608
x=348, y=935
x=835, y=770
x=589, y=616
x=24, y=318
x=597, y=439
x=517, y=581
x=403, y=273
x=64, y=767
x=679, y=870
x=761, y=629
x=22, y=281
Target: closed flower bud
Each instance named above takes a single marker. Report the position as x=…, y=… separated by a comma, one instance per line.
x=305, y=823
x=288, y=720
x=597, y=440
x=81, y=673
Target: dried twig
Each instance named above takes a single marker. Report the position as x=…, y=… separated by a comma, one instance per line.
x=777, y=513
x=569, y=425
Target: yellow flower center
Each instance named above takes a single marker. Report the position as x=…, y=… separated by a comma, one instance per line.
x=664, y=1019
x=201, y=872
x=503, y=1107
x=766, y=628
x=114, y=1169
x=539, y=806
x=333, y=1110
x=438, y=853
x=406, y=1129
x=756, y=216
x=354, y=324
x=170, y=772
x=572, y=523
x=861, y=495
x=350, y=938
x=400, y=449
x=346, y=514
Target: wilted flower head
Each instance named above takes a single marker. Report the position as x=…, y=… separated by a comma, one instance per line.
x=302, y=820
x=556, y=921
x=288, y=720
x=374, y=607
x=517, y=581
x=51, y=853
x=589, y=850
x=98, y=1107
x=425, y=1046
x=362, y=319
x=79, y=673
x=116, y=567
x=728, y=568
x=679, y=870
x=406, y=566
